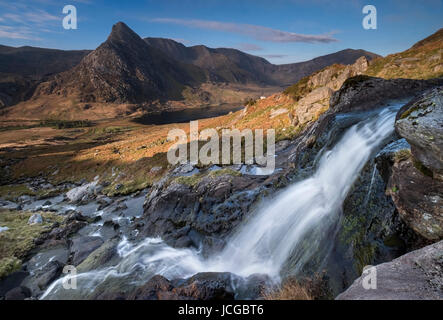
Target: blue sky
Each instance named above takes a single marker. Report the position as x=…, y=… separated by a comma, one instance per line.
x=282, y=31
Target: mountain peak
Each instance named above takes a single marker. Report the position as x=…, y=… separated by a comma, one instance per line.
x=120, y=31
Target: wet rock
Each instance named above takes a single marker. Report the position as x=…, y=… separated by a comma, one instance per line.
x=364, y=93
x=421, y=123
x=82, y=246
x=35, y=219
x=385, y=159
x=19, y=293
x=417, y=275
x=100, y=257
x=112, y=224
x=12, y=281
x=213, y=207
x=66, y=230
x=418, y=199
x=206, y=286
x=156, y=288
x=50, y=272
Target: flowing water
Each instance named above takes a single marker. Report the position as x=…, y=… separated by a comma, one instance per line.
x=292, y=224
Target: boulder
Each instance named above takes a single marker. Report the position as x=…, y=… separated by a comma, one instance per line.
x=49, y=273
x=36, y=218
x=417, y=275
x=183, y=214
x=418, y=199
x=82, y=193
x=362, y=93
x=99, y=257
x=421, y=124
x=18, y=293
x=82, y=247
x=201, y=286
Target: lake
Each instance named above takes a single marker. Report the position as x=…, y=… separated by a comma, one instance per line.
x=187, y=115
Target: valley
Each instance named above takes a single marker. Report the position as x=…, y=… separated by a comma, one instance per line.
x=83, y=152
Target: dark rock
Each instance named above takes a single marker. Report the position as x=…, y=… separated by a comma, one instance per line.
x=12, y=281
x=50, y=272
x=154, y=289
x=421, y=123
x=364, y=93
x=213, y=207
x=206, y=286
x=417, y=275
x=418, y=199
x=385, y=159
x=65, y=230
x=83, y=246
x=100, y=257
x=19, y=293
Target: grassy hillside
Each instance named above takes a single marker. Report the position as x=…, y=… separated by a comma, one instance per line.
x=424, y=60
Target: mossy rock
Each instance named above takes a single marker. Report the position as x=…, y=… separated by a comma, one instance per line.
x=9, y=265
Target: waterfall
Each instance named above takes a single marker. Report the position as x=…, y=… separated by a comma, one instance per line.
x=293, y=223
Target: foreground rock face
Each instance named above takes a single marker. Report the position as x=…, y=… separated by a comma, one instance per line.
x=418, y=199
x=185, y=214
x=201, y=286
x=417, y=275
x=363, y=92
x=421, y=123
x=416, y=183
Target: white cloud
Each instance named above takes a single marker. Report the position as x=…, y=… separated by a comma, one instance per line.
x=253, y=31
x=17, y=33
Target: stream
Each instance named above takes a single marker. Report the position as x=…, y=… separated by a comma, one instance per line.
x=292, y=223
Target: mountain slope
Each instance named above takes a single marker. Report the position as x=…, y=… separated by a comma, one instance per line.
x=124, y=69
x=289, y=74
x=38, y=62
x=424, y=60
x=232, y=65
x=221, y=65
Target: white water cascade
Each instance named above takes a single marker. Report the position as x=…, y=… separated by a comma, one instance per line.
x=291, y=224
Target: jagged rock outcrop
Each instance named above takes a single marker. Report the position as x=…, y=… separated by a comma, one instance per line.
x=417, y=275
x=320, y=86
x=363, y=93
x=421, y=123
x=197, y=212
x=418, y=199
x=124, y=69
x=415, y=182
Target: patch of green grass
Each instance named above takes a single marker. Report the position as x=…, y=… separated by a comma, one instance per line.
x=9, y=265
x=65, y=124
x=111, y=130
x=422, y=168
x=225, y=171
x=408, y=112
x=299, y=90
x=18, y=240
x=189, y=180
x=402, y=155
x=11, y=192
